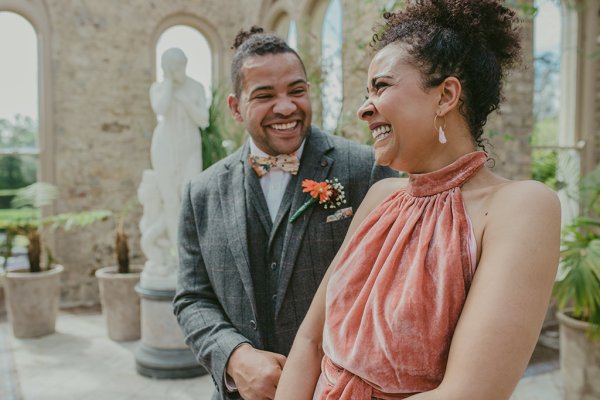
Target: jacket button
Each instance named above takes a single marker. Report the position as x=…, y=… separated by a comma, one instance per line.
x=253, y=324
x=324, y=163
x=273, y=266
x=274, y=298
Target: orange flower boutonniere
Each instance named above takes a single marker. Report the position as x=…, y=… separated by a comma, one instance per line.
x=329, y=193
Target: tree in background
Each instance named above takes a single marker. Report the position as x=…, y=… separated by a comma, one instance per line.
x=17, y=170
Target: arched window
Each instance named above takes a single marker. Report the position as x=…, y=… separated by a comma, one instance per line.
x=292, y=36
x=19, y=113
x=331, y=66
x=197, y=50
x=554, y=158
x=281, y=24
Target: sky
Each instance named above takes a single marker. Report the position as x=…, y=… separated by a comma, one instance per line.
x=18, y=69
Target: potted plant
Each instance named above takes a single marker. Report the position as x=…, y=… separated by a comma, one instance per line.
x=120, y=302
x=577, y=292
x=33, y=291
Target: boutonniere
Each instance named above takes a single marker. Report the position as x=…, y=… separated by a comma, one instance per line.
x=329, y=193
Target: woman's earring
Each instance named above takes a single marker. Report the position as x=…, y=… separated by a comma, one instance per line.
x=440, y=129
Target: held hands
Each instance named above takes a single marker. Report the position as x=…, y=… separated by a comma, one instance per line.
x=255, y=372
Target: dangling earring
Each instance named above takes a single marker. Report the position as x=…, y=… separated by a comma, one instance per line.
x=440, y=130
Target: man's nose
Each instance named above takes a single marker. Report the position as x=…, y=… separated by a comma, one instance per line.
x=284, y=106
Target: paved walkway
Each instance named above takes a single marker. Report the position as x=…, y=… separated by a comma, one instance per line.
x=79, y=362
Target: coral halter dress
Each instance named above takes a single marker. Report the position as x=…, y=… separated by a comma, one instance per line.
x=394, y=298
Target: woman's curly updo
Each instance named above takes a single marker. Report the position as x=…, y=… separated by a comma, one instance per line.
x=472, y=40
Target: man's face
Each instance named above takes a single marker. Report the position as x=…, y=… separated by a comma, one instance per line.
x=273, y=105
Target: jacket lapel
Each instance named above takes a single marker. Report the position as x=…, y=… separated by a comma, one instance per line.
x=256, y=197
x=315, y=165
x=233, y=200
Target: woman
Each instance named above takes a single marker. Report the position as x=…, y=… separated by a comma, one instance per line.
x=441, y=286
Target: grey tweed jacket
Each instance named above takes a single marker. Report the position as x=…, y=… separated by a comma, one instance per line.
x=215, y=303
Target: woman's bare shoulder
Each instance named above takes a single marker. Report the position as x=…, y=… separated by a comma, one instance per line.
x=385, y=187
x=523, y=208
x=378, y=193
x=525, y=195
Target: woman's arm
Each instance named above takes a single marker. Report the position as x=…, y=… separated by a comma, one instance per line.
x=303, y=366
x=505, y=307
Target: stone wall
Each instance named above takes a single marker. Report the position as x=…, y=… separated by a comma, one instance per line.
x=103, y=60
x=102, y=63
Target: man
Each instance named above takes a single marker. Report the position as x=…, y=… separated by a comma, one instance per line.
x=247, y=275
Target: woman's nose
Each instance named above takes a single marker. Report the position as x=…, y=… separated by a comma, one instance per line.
x=366, y=111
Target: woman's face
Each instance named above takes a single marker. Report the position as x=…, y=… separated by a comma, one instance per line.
x=399, y=111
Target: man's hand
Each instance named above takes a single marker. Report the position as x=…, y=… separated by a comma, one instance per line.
x=255, y=372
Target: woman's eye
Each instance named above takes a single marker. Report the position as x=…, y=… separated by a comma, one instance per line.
x=379, y=86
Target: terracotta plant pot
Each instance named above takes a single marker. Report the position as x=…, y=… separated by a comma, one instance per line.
x=120, y=302
x=579, y=359
x=32, y=301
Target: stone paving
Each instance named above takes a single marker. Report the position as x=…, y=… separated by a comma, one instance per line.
x=79, y=362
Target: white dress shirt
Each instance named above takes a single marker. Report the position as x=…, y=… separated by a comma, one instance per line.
x=273, y=184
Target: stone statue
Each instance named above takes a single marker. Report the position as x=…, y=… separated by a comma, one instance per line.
x=176, y=156
x=176, y=150
x=159, y=270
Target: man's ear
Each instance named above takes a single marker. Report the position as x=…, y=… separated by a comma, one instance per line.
x=234, y=107
x=450, y=92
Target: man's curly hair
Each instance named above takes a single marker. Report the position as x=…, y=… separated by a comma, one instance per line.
x=255, y=42
x=472, y=40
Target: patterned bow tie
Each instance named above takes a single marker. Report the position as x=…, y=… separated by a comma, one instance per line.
x=287, y=162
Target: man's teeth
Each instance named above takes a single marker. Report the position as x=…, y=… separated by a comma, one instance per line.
x=381, y=131
x=282, y=127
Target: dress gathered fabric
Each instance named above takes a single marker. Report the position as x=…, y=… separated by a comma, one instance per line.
x=395, y=297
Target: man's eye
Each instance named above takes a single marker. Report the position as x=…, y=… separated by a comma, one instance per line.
x=262, y=96
x=297, y=92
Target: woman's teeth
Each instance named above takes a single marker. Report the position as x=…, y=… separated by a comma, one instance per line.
x=283, y=127
x=381, y=132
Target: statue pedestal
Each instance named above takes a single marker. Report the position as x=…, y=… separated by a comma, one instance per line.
x=162, y=353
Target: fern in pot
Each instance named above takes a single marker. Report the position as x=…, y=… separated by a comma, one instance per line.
x=577, y=293
x=33, y=290
x=119, y=300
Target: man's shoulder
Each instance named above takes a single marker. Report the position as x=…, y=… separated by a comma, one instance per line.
x=342, y=144
x=210, y=174
x=350, y=145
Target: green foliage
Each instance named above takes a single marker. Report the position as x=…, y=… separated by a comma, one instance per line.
x=578, y=286
x=223, y=135
x=22, y=133
x=212, y=138
x=26, y=220
x=73, y=220
x=543, y=168
x=524, y=7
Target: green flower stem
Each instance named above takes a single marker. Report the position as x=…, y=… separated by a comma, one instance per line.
x=310, y=202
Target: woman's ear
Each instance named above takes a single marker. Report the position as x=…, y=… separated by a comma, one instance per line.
x=450, y=92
